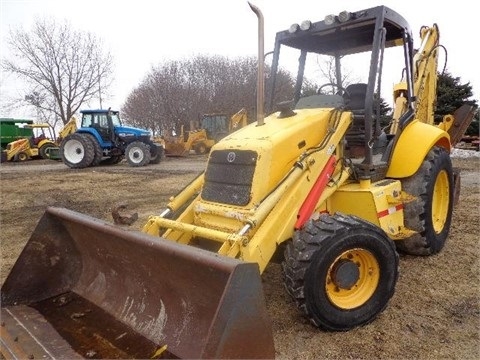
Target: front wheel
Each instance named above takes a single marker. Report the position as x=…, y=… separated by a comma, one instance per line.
x=341, y=271
x=77, y=151
x=430, y=214
x=200, y=149
x=21, y=156
x=137, y=154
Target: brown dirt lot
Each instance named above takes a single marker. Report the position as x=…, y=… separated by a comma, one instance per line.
x=434, y=314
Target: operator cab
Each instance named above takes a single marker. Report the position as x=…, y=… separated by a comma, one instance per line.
x=216, y=125
x=102, y=120
x=352, y=47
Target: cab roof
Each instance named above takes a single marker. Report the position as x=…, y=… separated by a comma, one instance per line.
x=350, y=37
x=98, y=111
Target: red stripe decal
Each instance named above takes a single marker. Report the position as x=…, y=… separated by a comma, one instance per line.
x=390, y=210
x=310, y=202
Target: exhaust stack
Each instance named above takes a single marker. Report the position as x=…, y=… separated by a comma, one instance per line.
x=261, y=66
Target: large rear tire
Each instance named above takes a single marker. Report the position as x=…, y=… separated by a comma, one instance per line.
x=44, y=150
x=77, y=151
x=97, y=150
x=431, y=213
x=137, y=154
x=341, y=271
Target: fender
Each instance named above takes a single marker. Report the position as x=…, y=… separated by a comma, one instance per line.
x=412, y=147
x=94, y=132
x=45, y=141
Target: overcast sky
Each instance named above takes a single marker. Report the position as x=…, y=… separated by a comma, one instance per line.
x=141, y=34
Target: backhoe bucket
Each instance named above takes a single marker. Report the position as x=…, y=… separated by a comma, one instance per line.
x=463, y=116
x=84, y=288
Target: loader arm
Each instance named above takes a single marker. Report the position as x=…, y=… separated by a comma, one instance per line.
x=271, y=206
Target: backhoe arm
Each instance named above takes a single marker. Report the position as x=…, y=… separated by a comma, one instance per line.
x=425, y=64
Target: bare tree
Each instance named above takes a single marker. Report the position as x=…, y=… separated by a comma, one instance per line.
x=180, y=91
x=62, y=68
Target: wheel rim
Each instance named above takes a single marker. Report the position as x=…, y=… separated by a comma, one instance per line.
x=74, y=151
x=352, y=278
x=440, y=201
x=135, y=155
x=22, y=157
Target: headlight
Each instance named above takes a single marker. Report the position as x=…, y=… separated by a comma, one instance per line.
x=329, y=19
x=306, y=25
x=344, y=16
x=293, y=28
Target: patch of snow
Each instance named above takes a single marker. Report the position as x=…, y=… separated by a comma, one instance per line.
x=461, y=153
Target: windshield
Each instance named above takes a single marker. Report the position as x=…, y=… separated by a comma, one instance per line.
x=116, y=119
x=328, y=75
x=100, y=119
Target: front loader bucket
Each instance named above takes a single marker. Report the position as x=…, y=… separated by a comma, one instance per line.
x=176, y=149
x=84, y=288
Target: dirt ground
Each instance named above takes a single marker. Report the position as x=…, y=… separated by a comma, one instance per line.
x=434, y=313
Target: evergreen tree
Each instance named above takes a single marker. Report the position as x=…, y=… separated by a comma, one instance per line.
x=451, y=94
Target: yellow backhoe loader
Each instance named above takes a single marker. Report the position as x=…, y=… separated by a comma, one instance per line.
x=38, y=146
x=317, y=177
x=212, y=128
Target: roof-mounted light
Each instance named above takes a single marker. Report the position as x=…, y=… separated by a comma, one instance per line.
x=329, y=19
x=293, y=28
x=306, y=25
x=344, y=16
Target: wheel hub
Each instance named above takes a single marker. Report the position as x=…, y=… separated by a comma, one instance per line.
x=352, y=278
x=345, y=274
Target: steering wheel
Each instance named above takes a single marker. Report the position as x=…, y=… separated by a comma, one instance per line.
x=341, y=90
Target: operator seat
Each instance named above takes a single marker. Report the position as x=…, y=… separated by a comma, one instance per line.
x=354, y=97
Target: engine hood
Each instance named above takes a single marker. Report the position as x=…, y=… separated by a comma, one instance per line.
x=125, y=131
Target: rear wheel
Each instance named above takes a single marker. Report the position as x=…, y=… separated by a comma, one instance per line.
x=341, y=271
x=44, y=150
x=77, y=151
x=97, y=150
x=430, y=214
x=137, y=154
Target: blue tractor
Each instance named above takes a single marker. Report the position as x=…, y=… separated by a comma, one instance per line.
x=102, y=139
